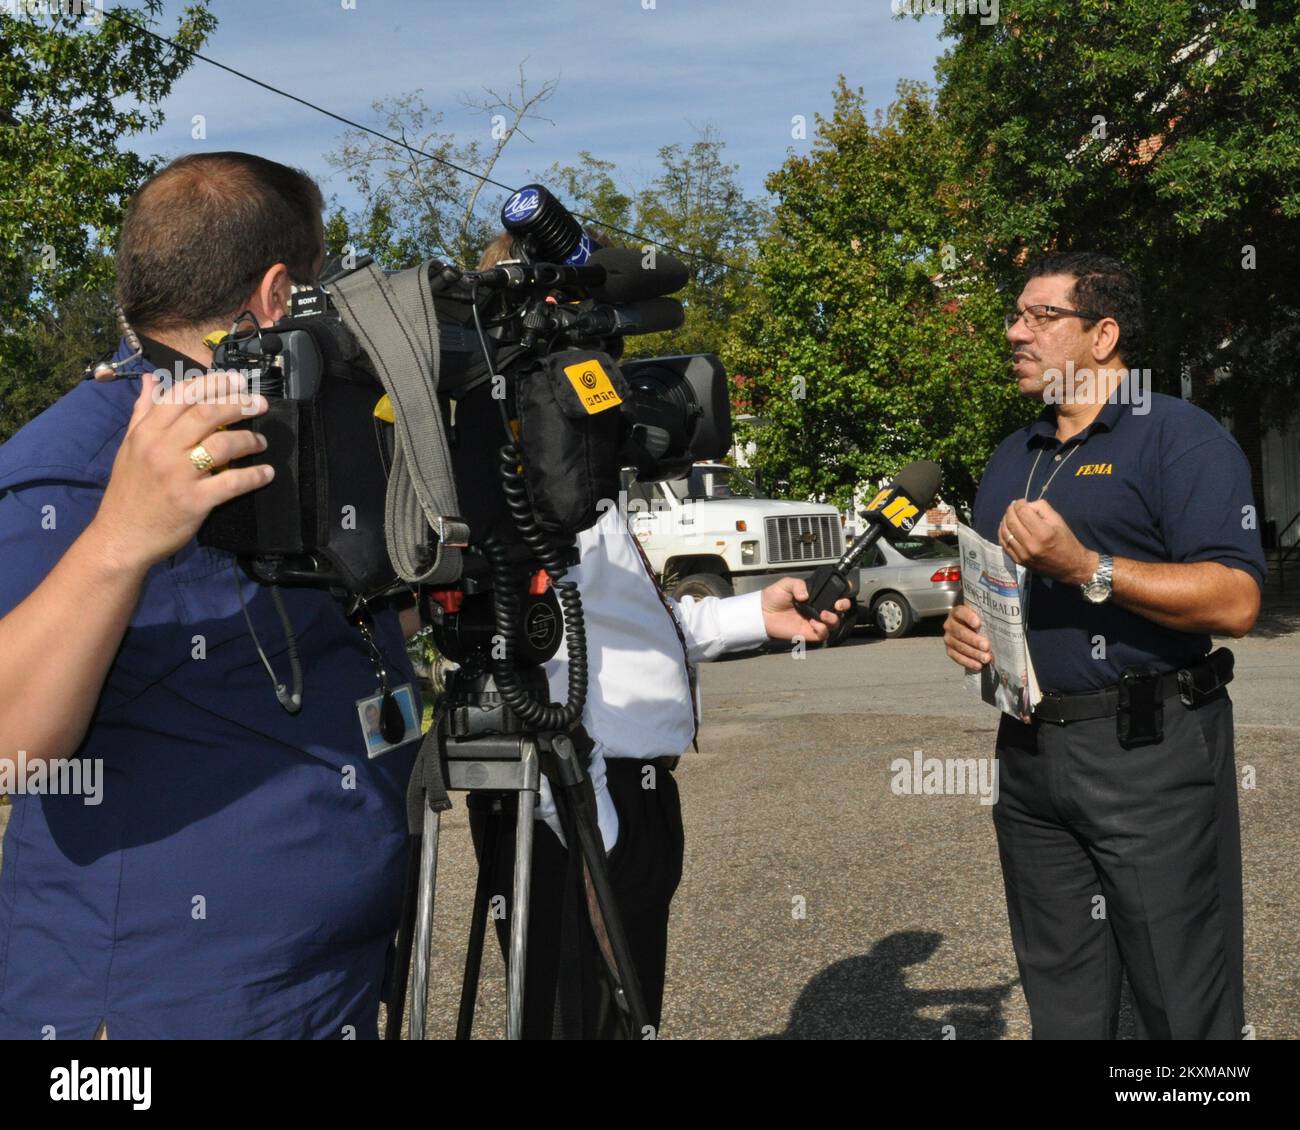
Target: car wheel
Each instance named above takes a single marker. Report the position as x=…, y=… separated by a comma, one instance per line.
x=702, y=584
x=892, y=615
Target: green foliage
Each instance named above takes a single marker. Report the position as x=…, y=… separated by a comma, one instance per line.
x=873, y=337
x=72, y=90
x=591, y=191
x=1166, y=133
x=694, y=209
x=56, y=343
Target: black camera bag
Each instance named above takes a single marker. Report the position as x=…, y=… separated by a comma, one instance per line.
x=331, y=460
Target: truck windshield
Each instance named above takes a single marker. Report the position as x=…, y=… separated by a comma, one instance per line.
x=714, y=482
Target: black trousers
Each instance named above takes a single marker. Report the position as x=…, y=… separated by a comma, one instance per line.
x=1124, y=857
x=645, y=869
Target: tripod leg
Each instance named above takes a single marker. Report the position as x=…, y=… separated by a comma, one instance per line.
x=572, y=788
x=478, y=923
x=424, y=924
x=402, y=963
x=519, y=915
x=593, y=853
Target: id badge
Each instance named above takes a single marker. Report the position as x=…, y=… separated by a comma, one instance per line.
x=402, y=725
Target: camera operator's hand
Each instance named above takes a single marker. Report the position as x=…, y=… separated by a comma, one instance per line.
x=962, y=640
x=157, y=496
x=784, y=622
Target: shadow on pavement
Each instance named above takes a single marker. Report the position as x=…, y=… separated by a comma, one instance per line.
x=867, y=998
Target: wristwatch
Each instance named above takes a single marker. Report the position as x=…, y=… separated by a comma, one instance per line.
x=1097, y=589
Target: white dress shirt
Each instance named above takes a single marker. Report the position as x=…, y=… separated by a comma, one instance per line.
x=639, y=689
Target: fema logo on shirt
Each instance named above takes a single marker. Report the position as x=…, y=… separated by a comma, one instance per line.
x=521, y=205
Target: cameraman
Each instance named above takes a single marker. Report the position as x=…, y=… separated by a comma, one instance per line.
x=641, y=713
x=241, y=877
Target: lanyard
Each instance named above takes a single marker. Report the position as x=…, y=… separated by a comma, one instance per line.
x=1062, y=462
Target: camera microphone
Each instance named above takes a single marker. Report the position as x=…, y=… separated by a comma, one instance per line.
x=534, y=216
x=895, y=510
x=608, y=274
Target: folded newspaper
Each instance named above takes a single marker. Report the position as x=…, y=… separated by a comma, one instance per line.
x=996, y=588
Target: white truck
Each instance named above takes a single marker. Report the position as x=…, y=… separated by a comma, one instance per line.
x=713, y=534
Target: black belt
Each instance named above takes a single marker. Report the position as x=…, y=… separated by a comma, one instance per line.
x=667, y=762
x=1192, y=683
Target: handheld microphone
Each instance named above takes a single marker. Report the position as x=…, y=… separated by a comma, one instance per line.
x=895, y=510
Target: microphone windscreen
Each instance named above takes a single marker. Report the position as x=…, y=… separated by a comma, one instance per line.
x=919, y=481
x=628, y=278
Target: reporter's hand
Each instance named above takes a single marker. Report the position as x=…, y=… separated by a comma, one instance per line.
x=156, y=499
x=962, y=640
x=784, y=622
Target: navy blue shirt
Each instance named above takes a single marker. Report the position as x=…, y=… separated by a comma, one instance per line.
x=241, y=876
x=1166, y=485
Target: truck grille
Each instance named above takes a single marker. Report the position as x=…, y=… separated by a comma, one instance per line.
x=803, y=537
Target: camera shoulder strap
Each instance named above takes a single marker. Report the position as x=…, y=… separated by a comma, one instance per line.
x=394, y=319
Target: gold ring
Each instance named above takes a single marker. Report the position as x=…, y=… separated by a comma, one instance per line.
x=202, y=459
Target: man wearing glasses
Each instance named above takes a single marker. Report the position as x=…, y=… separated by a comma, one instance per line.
x=1117, y=820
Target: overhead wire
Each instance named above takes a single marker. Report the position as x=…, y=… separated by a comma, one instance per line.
x=120, y=14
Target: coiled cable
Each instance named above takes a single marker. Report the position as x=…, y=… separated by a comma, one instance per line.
x=506, y=602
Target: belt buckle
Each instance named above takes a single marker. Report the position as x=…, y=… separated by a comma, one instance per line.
x=1186, y=688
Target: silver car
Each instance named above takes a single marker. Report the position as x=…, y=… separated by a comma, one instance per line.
x=907, y=580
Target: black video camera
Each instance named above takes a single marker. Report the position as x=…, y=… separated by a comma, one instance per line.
x=527, y=355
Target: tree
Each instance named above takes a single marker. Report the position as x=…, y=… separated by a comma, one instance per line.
x=590, y=190
x=1168, y=134
x=694, y=209
x=873, y=337
x=72, y=90
x=416, y=201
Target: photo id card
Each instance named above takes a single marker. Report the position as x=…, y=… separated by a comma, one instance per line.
x=370, y=714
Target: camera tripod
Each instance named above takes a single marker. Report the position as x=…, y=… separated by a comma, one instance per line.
x=476, y=740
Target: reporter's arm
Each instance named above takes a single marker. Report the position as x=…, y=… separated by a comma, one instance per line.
x=713, y=625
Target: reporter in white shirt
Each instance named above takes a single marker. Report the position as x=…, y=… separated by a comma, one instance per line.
x=641, y=712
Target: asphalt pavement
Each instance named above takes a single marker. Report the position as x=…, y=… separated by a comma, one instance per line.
x=819, y=902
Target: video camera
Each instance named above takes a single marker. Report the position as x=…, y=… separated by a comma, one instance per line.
x=537, y=415
x=537, y=335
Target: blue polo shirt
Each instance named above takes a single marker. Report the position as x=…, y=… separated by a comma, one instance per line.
x=242, y=874
x=1169, y=485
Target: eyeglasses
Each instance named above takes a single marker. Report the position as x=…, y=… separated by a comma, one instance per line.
x=1038, y=315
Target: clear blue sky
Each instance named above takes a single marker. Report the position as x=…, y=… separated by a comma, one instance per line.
x=630, y=79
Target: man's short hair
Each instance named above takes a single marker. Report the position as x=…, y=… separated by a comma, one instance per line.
x=200, y=233
x=1104, y=286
